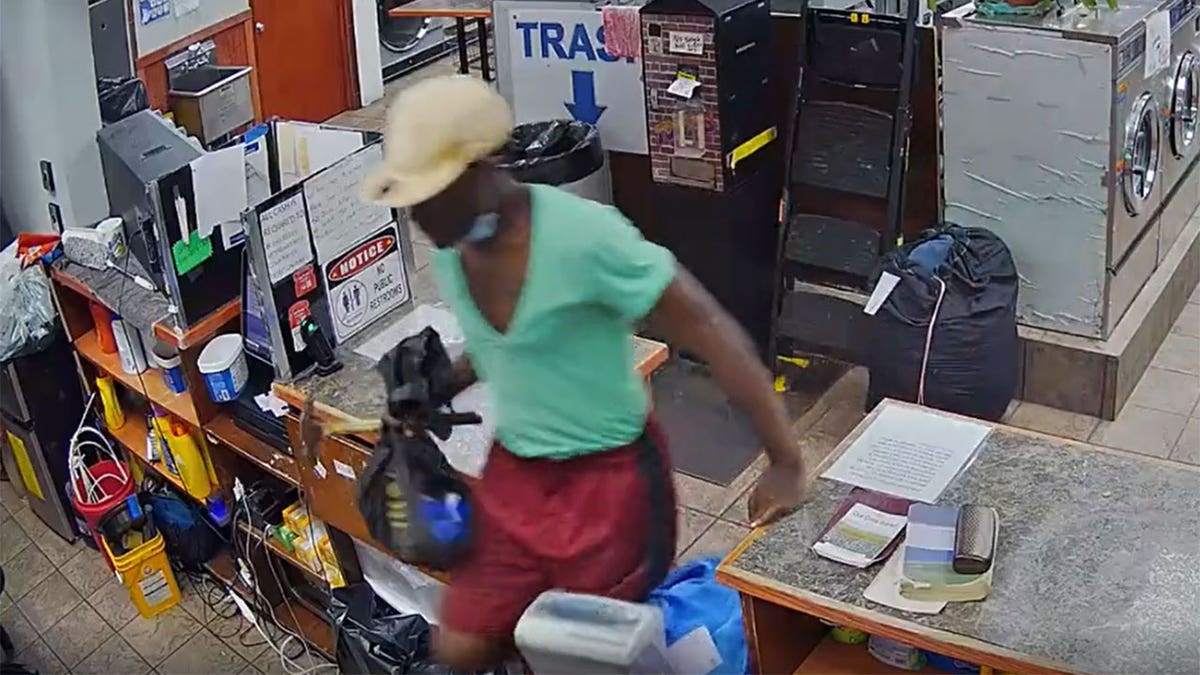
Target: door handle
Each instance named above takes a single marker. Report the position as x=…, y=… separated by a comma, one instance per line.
x=259, y=27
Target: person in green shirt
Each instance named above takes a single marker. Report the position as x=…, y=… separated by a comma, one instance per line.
x=577, y=492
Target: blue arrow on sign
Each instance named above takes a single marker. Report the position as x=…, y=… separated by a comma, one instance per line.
x=583, y=88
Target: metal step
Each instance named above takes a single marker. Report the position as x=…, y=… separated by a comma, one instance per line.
x=842, y=146
x=816, y=319
x=832, y=244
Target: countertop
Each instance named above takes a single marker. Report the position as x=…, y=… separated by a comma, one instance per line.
x=1098, y=567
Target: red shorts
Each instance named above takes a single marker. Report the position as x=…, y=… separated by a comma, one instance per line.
x=602, y=523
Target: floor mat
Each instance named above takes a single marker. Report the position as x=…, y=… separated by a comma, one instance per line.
x=709, y=438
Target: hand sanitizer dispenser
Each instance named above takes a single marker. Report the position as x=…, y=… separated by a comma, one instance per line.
x=574, y=634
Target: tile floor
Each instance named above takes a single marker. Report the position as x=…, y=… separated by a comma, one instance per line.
x=66, y=613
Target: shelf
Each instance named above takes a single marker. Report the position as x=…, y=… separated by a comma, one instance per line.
x=228, y=434
x=307, y=624
x=202, y=332
x=148, y=383
x=282, y=553
x=132, y=436
x=835, y=658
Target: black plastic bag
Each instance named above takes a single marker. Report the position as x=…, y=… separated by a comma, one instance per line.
x=971, y=366
x=374, y=638
x=120, y=98
x=412, y=500
x=552, y=153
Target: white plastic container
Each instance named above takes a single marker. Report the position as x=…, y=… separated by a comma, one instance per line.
x=129, y=347
x=223, y=365
x=574, y=634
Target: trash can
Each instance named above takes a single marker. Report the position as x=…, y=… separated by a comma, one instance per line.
x=563, y=153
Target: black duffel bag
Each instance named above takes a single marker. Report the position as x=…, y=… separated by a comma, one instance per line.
x=946, y=336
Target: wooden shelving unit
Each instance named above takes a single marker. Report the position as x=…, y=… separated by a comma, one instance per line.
x=308, y=625
x=148, y=383
x=132, y=436
x=223, y=431
x=280, y=552
x=836, y=658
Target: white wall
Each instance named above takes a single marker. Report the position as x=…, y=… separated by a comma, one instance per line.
x=168, y=29
x=366, y=46
x=48, y=110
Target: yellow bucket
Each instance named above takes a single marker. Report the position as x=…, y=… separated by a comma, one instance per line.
x=146, y=573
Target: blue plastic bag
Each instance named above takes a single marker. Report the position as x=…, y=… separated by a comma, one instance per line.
x=689, y=598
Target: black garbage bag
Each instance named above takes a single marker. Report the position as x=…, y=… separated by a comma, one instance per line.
x=964, y=281
x=373, y=638
x=552, y=153
x=120, y=98
x=412, y=500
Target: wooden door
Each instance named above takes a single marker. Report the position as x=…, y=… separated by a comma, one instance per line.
x=305, y=58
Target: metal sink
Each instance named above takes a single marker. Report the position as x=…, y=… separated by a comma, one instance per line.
x=212, y=101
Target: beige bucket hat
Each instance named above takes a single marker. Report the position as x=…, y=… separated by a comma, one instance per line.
x=436, y=129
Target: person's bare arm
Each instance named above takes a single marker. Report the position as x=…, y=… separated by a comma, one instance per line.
x=693, y=320
x=462, y=375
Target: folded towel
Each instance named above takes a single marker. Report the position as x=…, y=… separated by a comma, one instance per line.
x=622, y=31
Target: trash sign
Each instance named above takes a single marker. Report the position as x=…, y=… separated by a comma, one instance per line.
x=366, y=282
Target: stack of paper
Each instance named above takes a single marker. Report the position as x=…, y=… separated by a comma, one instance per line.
x=929, y=559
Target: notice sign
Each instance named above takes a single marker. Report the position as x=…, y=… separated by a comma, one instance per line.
x=366, y=282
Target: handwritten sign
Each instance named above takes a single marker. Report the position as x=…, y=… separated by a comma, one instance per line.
x=686, y=43
x=286, y=245
x=337, y=216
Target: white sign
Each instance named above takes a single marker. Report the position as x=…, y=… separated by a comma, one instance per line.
x=286, y=245
x=337, y=215
x=686, y=43
x=365, y=282
x=1158, y=42
x=561, y=71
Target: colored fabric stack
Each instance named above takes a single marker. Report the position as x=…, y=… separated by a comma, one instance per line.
x=622, y=31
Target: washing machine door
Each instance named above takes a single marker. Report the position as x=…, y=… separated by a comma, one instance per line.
x=1185, y=105
x=1140, y=165
x=400, y=34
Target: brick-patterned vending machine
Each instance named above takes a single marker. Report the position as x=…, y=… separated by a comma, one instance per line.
x=716, y=167
x=706, y=76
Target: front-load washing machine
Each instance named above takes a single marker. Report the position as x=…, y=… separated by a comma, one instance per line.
x=1052, y=138
x=1181, y=128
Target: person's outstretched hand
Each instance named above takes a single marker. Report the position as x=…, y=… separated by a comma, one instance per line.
x=780, y=491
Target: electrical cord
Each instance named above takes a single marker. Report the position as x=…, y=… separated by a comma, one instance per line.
x=288, y=661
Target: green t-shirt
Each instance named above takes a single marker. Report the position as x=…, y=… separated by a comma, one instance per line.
x=562, y=378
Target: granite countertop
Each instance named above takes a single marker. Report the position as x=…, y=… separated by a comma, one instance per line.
x=141, y=308
x=1098, y=567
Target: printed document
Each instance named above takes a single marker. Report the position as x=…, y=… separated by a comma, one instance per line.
x=909, y=452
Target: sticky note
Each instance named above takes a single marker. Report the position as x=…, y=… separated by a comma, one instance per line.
x=188, y=254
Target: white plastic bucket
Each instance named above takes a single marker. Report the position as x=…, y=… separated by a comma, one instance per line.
x=223, y=365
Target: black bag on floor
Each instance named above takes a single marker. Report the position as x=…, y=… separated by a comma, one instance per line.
x=964, y=282
x=374, y=638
